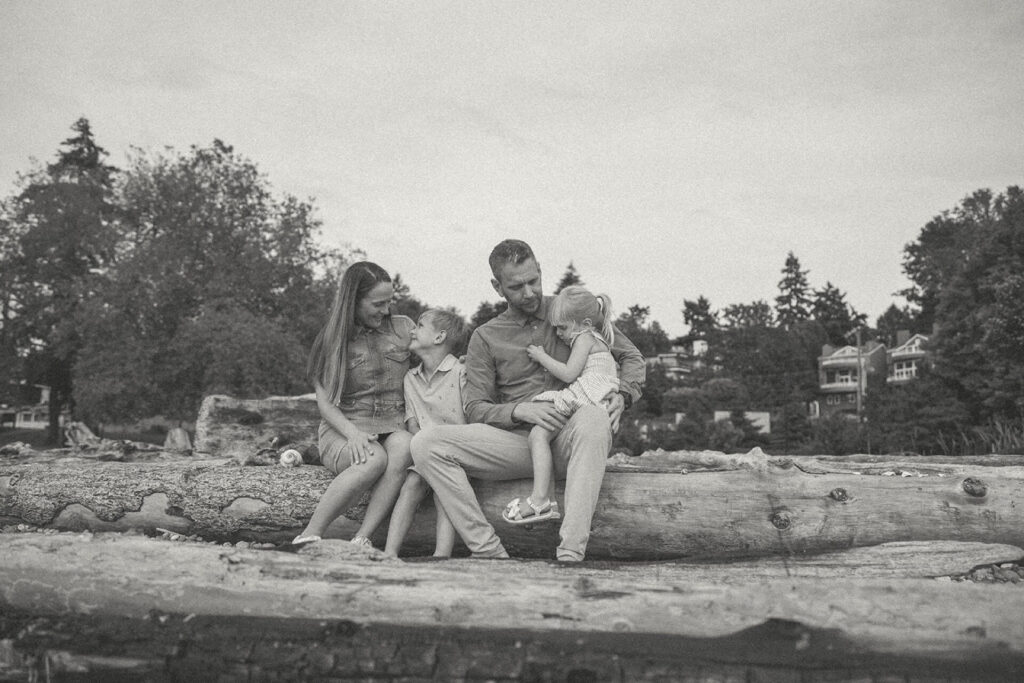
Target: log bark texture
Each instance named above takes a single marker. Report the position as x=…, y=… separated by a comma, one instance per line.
x=809, y=623
x=711, y=506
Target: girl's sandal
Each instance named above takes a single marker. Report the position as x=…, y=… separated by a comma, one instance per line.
x=516, y=513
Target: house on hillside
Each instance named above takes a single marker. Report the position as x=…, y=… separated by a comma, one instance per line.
x=907, y=358
x=843, y=377
x=684, y=357
x=25, y=406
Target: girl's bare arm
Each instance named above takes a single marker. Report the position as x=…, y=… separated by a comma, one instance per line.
x=572, y=368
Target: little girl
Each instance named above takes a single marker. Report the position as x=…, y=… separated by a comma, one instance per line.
x=584, y=322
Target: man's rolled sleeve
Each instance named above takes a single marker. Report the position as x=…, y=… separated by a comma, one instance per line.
x=480, y=393
x=632, y=367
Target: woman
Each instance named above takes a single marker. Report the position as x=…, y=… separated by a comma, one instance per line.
x=357, y=366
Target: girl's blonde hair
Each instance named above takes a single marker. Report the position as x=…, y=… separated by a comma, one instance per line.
x=328, y=358
x=576, y=304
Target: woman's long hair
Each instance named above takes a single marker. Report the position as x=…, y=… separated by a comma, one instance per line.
x=576, y=304
x=328, y=359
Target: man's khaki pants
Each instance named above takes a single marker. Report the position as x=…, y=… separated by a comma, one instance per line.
x=448, y=456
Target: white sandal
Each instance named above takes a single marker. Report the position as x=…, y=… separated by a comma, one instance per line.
x=513, y=513
x=312, y=538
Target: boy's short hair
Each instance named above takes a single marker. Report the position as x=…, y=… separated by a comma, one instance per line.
x=450, y=323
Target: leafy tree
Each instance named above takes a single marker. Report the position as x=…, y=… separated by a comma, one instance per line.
x=925, y=416
x=404, y=302
x=656, y=384
x=756, y=314
x=61, y=236
x=979, y=308
x=835, y=315
x=835, y=434
x=206, y=248
x=487, y=311
x=791, y=427
x=893, y=320
x=793, y=304
x=942, y=247
x=776, y=367
x=649, y=338
x=569, y=278
x=698, y=315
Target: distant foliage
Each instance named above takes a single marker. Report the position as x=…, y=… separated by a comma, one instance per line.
x=648, y=336
x=793, y=304
x=59, y=237
x=135, y=292
x=570, y=278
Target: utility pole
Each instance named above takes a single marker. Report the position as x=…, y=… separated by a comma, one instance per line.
x=860, y=380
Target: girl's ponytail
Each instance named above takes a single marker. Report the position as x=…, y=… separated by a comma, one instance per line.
x=607, y=329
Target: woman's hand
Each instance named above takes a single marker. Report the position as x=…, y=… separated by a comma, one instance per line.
x=358, y=447
x=536, y=352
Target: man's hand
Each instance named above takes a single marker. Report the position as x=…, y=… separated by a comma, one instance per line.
x=540, y=413
x=616, y=405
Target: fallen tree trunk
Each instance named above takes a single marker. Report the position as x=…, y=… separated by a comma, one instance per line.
x=722, y=507
x=782, y=621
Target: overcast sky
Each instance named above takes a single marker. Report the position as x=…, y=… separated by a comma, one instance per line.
x=669, y=150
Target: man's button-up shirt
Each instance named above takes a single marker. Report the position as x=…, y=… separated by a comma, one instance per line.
x=500, y=374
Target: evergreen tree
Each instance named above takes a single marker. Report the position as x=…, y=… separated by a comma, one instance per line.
x=698, y=315
x=837, y=317
x=571, y=277
x=793, y=304
x=63, y=236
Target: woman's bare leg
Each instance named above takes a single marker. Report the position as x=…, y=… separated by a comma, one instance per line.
x=389, y=484
x=345, y=490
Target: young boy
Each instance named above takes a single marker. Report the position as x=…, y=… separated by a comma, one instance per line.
x=433, y=396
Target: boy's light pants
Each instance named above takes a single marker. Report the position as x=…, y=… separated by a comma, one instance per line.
x=447, y=456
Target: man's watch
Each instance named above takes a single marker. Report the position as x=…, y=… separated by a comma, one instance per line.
x=627, y=399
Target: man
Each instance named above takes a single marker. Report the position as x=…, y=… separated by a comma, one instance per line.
x=501, y=380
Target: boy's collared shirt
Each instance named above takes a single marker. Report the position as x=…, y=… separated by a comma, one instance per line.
x=436, y=399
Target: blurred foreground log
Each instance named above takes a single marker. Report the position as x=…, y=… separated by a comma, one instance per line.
x=713, y=619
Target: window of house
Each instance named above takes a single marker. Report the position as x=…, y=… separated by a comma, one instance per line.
x=847, y=376
x=833, y=399
x=852, y=398
x=904, y=369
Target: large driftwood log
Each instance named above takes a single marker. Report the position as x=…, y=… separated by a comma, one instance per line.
x=833, y=622
x=724, y=506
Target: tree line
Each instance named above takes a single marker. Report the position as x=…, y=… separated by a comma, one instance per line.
x=134, y=292
x=966, y=273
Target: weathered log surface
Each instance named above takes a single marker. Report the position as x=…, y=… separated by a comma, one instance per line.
x=227, y=427
x=763, y=506
x=842, y=617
